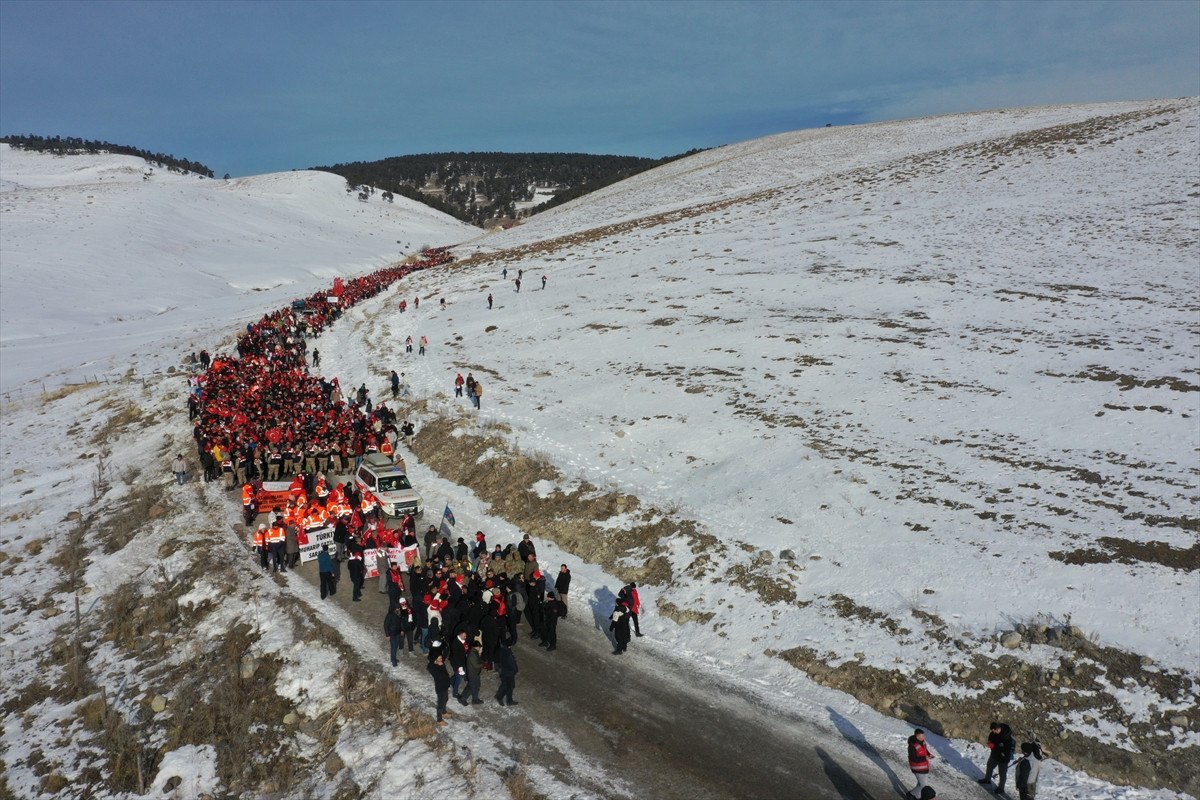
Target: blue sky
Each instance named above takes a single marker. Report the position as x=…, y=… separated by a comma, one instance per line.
x=251, y=87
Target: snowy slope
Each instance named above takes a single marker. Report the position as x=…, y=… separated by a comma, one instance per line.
x=103, y=256
x=911, y=343
x=947, y=362
x=960, y=382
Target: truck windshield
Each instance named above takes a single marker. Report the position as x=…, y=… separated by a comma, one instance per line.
x=394, y=483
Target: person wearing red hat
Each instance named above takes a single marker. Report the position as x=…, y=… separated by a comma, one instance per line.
x=478, y=550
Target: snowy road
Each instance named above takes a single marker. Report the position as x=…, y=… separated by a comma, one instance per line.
x=640, y=725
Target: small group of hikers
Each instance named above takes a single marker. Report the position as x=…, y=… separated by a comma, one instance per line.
x=1001, y=746
x=473, y=388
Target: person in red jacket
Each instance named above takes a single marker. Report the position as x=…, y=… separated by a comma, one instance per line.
x=634, y=601
x=918, y=761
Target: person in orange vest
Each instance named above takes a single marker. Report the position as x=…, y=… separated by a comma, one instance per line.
x=289, y=512
x=249, y=503
x=386, y=448
x=317, y=517
x=260, y=544
x=276, y=537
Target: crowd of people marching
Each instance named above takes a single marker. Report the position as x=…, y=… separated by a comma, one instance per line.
x=264, y=417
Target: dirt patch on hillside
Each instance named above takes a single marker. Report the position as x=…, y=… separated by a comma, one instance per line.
x=609, y=528
x=546, y=247
x=1114, y=550
x=601, y=526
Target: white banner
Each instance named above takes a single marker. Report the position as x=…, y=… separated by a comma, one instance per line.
x=316, y=538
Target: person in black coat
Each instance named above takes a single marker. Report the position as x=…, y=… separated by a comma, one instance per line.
x=401, y=630
x=441, y=685
x=391, y=631
x=431, y=541
x=506, y=668
x=552, y=609
x=456, y=654
x=420, y=613
x=526, y=548
x=535, y=596
x=619, y=625
x=1002, y=746
x=209, y=464
x=358, y=570
x=341, y=535
x=474, y=675
x=562, y=585
x=490, y=628
x=418, y=580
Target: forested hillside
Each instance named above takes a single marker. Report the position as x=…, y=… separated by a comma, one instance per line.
x=73, y=145
x=485, y=187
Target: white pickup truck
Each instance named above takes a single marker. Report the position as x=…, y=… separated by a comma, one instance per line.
x=386, y=480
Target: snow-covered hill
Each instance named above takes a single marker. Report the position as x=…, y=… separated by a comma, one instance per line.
x=979, y=345
x=103, y=256
x=854, y=404
x=950, y=363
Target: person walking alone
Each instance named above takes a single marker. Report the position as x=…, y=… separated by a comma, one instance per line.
x=422, y=345
x=179, y=467
x=543, y=283
x=918, y=761
x=441, y=685
x=490, y=298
